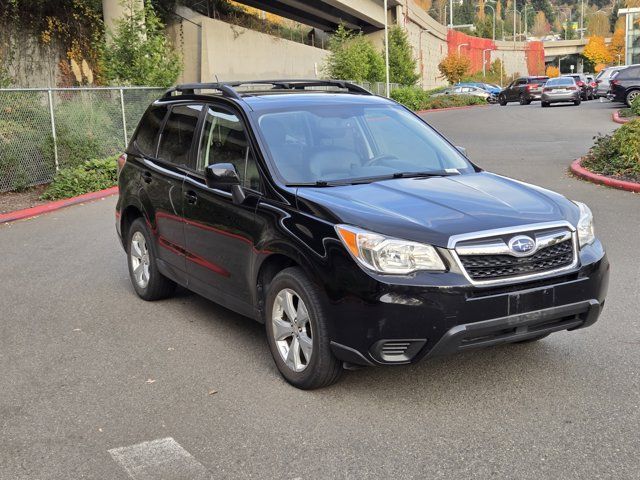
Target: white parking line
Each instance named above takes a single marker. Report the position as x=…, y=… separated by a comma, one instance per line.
x=162, y=459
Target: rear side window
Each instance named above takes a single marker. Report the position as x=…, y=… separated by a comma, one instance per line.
x=146, y=140
x=178, y=132
x=630, y=72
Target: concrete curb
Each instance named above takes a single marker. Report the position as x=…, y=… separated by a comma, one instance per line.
x=578, y=170
x=55, y=205
x=465, y=107
x=618, y=119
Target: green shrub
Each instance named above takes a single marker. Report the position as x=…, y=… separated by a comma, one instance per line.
x=90, y=176
x=353, y=57
x=617, y=154
x=625, y=112
x=635, y=106
x=417, y=99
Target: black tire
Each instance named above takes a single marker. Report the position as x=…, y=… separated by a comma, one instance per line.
x=323, y=368
x=631, y=96
x=502, y=100
x=577, y=102
x=534, y=339
x=544, y=104
x=523, y=100
x=158, y=286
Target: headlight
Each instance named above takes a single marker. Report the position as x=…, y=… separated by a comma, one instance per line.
x=388, y=255
x=586, y=235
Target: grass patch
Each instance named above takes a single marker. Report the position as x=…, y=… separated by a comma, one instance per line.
x=90, y=176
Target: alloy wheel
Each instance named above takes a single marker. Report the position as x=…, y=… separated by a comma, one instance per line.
x=631, y=96
x=139, y=253
x=292, y=330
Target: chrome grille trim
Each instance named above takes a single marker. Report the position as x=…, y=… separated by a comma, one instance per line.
x=544, y=239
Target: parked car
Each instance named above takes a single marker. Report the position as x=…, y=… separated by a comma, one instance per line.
x=523, y=90
x=586, y=90
x=467, y=90
x=602, y=80
x=561, y=89
x=493, y=89
x=591, y=80
x=625, y=85
x=352, y=229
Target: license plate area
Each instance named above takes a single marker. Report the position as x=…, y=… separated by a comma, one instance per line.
x=521, y=302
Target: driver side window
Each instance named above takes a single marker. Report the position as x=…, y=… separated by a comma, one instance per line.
x=224, y=140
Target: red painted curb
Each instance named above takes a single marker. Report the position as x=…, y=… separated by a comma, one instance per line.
x=618, y=119
x=55, y=205
x=450, y=108
x=582, y=172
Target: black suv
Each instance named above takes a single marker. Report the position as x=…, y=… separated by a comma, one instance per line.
x=351, y=228
x=625, y=85
x=523, y=90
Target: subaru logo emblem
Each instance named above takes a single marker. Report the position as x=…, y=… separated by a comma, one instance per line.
x=522, y=245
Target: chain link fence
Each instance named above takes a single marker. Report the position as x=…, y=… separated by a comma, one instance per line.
x=43, y=130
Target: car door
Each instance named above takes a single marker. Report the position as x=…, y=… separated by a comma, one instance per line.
x=162, y=178
x=220, y=234
x=521, y=85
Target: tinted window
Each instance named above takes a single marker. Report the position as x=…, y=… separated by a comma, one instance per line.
x=178, y=132
x=146, y=139
x=560, y=81
x=631, y=72
x=224, y=141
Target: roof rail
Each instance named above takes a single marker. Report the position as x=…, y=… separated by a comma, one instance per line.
x=188, y=89
x=228, y=88
x=301, y=84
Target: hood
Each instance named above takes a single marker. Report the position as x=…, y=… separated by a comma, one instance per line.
x=432, y=209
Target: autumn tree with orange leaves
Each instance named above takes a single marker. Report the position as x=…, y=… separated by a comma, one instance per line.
x=617, y=46
x=596, y=50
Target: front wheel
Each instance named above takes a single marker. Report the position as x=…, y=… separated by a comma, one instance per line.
x=576, y=102
x=298, y=332
x=544, y=104
x=523, y=100
x=502, y=100
x=147, y=280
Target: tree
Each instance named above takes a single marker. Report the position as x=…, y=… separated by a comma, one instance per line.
x=353, y=57
x=138, y=52
x=552, y=72
x=569, y=33
x=598, y=24
x=596, y=51
x=617, y=46
x=402, y=65
x=540, y=25
x=454, y=67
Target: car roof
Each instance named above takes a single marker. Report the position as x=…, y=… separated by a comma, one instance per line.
x=273, y=94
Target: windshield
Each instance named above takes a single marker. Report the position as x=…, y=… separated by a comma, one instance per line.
x=347, y=143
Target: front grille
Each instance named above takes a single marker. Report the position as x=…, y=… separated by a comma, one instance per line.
x=491, y=267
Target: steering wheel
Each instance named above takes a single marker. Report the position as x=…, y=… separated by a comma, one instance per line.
x=379, y=158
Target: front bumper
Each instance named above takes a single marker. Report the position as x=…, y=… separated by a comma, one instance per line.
x=399, y=324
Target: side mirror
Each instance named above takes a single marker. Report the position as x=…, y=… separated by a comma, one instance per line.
x=225, y=176
x=462, y=150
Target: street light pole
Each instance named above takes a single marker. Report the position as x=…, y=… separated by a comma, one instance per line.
x=450, y=13
x=494, y=20
x=386, y=47
x=582, y=20
x=514, y=23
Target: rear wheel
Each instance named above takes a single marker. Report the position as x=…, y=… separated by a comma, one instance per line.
x=576, y=102
x=631, y=96
x=147, y=280
x=545, y=104
x=502, y=100
x=523, y=100
x=298, y=333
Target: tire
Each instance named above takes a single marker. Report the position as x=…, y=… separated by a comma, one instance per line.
x=523, y=100
x=533, y=339
x=577, y=102
x=502, y=100
x=146, y=279
x=320, y=368
x=544, y=104
x=631, y=96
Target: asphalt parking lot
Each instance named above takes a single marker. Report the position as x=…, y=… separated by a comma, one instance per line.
x=89, y=369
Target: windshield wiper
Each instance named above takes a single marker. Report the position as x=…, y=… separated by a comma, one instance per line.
x=364, y=180
x=432, y=173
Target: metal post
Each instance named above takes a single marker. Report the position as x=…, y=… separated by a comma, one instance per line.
x=514, y=24
x=484, y=61
x=582, y=21
x=124, y=120
x=53, y=130
x=450, y=13
x=386, y=46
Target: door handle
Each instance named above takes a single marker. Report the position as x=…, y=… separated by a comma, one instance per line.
x=191, y=197
x=147, y=177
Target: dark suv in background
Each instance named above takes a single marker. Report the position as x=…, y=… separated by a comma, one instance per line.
x=347, y=225
x=523, y=90
x=587, y=90
x=625, y=85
